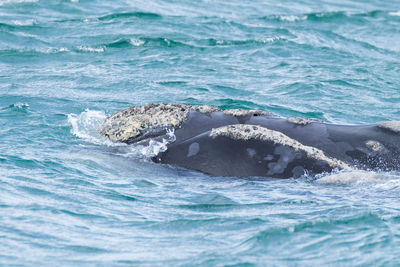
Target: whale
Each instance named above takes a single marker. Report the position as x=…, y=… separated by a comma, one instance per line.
x=254, y=143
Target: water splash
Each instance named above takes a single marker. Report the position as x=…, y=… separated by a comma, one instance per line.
x=356, y=177
x=91, y=49
x=136, y=42
x=19, y=106
x=86, y=126
x=155, y=147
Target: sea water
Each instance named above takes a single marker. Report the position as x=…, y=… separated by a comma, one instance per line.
x=70, y=197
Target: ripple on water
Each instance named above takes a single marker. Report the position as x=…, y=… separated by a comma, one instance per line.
x=144, y=183
x=327, y=17
x=127, y=15
x=326, y=236
x=210, y=202
x=19, y=107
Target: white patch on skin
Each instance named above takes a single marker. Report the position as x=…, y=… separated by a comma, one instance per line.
x=251, y=152
x=247, y=132
x=390, y=125
x=194, y=148
x=286, y=156
x=269, y=157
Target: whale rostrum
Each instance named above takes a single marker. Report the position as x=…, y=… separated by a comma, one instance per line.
x=243, y=143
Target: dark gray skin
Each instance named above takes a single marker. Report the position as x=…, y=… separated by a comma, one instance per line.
x=277, y=147
x=223, y=156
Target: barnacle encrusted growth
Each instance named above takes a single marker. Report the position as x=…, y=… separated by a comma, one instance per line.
x=129, y=123
x=132, y=122
x=245, y=112
x=390, y=125
x=302, y=121
x=246, y=132
x=375, y=146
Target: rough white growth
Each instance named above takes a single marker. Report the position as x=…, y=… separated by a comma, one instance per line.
x=244, y=112
x=247, y=132
x=130, y=122
x=302, y=121
x=374, y=145
x=390, y=125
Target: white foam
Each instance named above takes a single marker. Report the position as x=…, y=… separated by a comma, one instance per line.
x=28, y=22
x=155, y=147
x=20, y=105
x=86, y=126
x=136, y=42
x=355, y=177
x=291, y=18
x=91, y=49
x=52, y=50
x=397, y=13
x=271, y=39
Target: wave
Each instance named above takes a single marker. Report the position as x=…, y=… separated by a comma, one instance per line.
x=91, y=49
x=17, y=107
x=32, y=52
x=143, y=15
x=273, y=236
x=12, y=2
x=50, y=50
x=329, y=42
x=146, y=41
x=125, y=42
x=324, y=16
x=210, y=200
x=199, y=43
x=221, y=42
x=19, y=24
x=15, y=24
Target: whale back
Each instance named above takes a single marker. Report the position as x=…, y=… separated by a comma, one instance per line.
x=253, y=143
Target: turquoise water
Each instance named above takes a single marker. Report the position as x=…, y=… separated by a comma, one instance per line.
x=69, y=197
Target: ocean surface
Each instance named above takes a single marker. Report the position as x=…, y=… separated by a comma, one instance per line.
x=69, y=197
